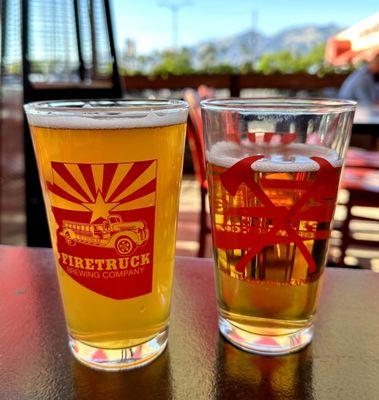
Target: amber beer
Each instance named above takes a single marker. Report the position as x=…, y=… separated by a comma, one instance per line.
x=111, y=188
x=276, y=290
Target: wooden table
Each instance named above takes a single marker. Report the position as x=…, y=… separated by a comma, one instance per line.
x=35, y=363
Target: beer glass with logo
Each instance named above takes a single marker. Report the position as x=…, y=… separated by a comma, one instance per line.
x=110, y=173
x=273, y=170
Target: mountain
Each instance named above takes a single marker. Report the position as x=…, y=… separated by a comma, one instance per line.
x=251, y=45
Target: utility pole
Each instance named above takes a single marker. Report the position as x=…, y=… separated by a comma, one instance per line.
x=175, y=8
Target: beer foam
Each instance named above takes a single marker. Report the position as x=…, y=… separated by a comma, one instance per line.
x=293, y=157
x=103, y=119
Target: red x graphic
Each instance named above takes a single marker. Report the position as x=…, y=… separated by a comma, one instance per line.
x=323, y=189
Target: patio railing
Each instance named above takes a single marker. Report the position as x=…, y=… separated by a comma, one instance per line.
x=236, y=82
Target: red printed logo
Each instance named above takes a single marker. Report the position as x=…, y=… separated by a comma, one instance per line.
x=105, y=215
x=316, y=204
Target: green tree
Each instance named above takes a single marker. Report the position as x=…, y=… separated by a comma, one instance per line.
x=174, y=62
x=282, y=61
x=208, y=56
x=180, y=62
x=221, y=68
x=315, y=60
x=287, y=62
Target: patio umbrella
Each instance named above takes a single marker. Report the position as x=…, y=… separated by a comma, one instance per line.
x=360, y=42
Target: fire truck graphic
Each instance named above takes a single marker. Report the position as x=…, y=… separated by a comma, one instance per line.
x=113, y=232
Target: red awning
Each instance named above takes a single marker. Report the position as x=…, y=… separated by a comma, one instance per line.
x=357, y=43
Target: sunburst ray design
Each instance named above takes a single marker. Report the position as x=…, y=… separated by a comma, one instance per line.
x=61, y=170
x=118, y=176
x=142, y=180
x=75, y=171
x=142, y=202
x=136, y=170
x=125, y=186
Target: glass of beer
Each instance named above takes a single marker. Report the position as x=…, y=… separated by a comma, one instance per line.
x=273, y=170
x=110, y=173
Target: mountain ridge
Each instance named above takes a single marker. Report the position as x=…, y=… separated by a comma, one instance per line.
x=250, y=45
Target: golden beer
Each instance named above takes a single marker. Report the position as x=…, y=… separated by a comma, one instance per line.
x=111, y=195
x=275, y=291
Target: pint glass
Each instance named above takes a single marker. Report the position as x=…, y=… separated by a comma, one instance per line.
x=273, y=168
x=110, y=173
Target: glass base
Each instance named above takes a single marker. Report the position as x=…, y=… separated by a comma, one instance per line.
x=265, y=345
x=119, y=359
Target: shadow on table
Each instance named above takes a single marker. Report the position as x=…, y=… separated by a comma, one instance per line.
x=258, y=377
x=149, y=382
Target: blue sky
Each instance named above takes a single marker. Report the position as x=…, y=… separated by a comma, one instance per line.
x=149, y=23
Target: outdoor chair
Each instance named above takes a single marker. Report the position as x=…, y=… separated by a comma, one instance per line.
x=360, y=178
x=196, y=146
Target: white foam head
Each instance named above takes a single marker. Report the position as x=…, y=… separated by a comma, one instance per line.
x=294, y=157
x=91, y=117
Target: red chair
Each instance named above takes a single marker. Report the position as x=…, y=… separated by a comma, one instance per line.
x=361, y=180
x=196, y=145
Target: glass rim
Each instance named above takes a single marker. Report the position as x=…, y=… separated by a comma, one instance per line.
x=104, y=107
x=277, y=105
